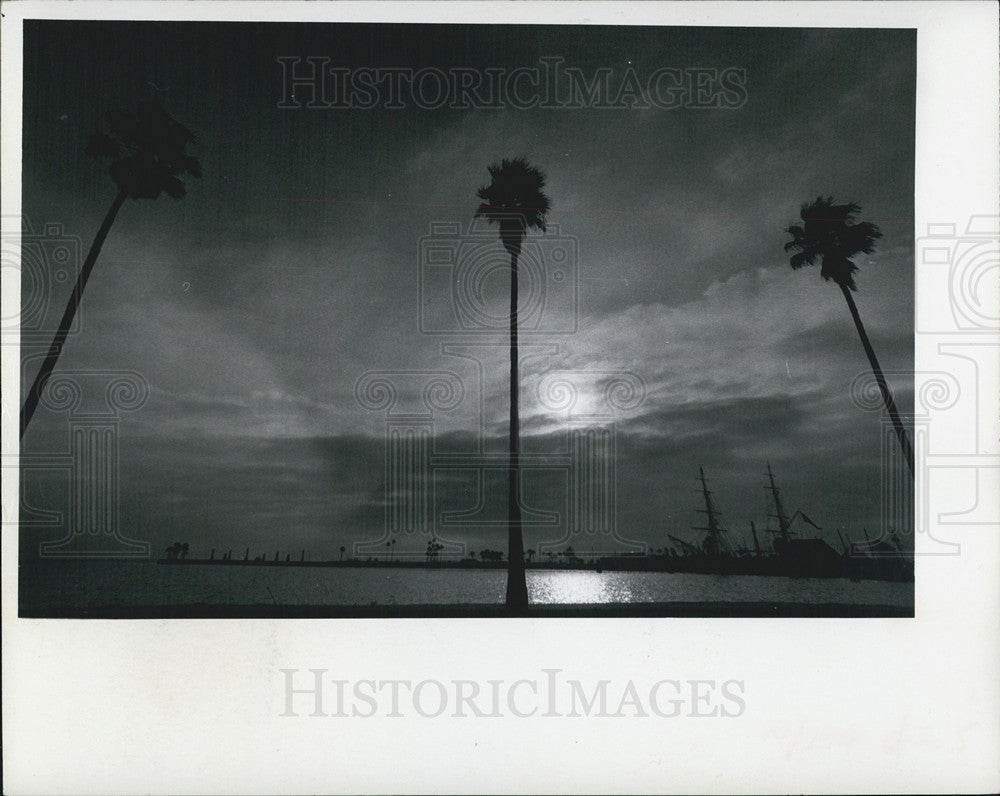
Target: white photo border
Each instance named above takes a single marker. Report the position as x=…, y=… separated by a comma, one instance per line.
x=869, y=705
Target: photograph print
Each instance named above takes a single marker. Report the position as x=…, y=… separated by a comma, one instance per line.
x=441, y=320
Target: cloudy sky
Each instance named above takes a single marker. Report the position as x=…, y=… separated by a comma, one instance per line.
x=299, y=263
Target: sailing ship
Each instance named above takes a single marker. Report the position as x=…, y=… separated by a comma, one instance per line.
x=791, y=552
x=715, y=553
x=797, y=555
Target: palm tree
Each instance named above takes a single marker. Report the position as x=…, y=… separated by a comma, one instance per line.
x=830, y=233
x=515, y=202
x=148, y=152
x=342, y=551
x=433, y=548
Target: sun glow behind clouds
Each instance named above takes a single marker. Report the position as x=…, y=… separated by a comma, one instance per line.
x=589, y=396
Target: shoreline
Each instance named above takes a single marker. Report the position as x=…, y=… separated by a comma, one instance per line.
x=883, y=569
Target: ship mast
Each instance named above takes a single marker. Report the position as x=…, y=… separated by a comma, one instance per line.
x=714, y=540
x=783, y=522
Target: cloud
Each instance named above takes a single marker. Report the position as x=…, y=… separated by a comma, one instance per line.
x=293, y=269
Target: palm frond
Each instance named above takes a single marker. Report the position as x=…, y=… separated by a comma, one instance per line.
x=515, y=197
x=174, y=188
x=193, y=167
x=102, y=146
x=149, y=147
x=829, y=233
x=798, y=238
x=802, y=259
x=839, y=269
x=861, y=237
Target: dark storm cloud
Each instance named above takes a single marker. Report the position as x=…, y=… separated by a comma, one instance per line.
x=319, y=494
x=728, y=425
x=253, y=306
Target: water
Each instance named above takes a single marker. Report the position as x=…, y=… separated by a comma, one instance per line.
x=52, y=584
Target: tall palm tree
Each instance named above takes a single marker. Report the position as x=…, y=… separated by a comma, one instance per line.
x=830, y=233
x=514, y=200
x=148, y=157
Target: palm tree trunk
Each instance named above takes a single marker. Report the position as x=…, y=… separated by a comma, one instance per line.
x=517, y=587
x=890, y=405
x=31, y=402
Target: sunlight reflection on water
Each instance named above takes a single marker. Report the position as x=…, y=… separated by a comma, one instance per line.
x=550, y=587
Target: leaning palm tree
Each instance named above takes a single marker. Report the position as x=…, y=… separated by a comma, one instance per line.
x=515, y=202
x=829, y=233
x=148, y=157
